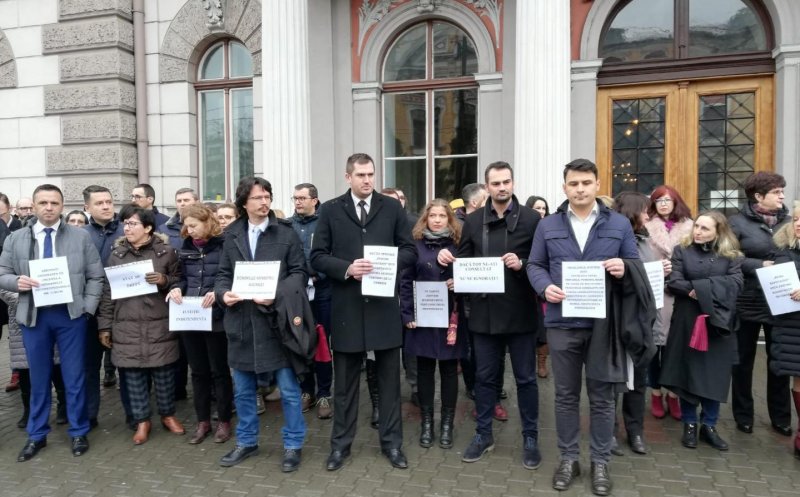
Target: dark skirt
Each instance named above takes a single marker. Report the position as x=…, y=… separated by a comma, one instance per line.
x=432, y=343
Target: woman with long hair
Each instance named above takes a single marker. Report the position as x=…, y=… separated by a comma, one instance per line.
x=435, y=230
x=207, y=352
x=701, y=348
x=670, y=220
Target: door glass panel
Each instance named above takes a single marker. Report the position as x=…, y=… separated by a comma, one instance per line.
x=409, y=176
x=454, y=122
x=212, y=125
x=726, y=151
x=719, y=27
x=242, y=134
x=642, y=30
x=638, y=146
x=453, y=52
x=453, y=174
x=406, y=59
x=404, y=124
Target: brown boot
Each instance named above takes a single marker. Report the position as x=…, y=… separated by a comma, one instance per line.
x=223, y=433
x=542, y=361
x=796, y=397
x=142, y=433
x=172, y=424
x=200, y=432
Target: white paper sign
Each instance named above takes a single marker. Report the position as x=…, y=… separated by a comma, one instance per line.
x=380, y=282
x=189, y=315
x=479, y=275
x=655, y=273
x=778, y=282
x=127, y=280
x=430, y=304
x=256, y=279
x=584, y=283
x=53, y=277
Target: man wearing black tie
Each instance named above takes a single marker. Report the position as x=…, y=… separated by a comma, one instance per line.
x=362, y=324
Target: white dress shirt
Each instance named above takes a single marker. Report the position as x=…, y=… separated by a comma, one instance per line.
x=356, y=200
x=581, y=228
x=39, y=234
x=253, y=232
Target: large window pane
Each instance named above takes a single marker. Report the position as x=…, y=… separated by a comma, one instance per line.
x=212, y=125
x=408, y=175
x=241, y=62
x=453, y=174
x=453, y=52
x=404, y=124
x=454, y=125
x=213, y=64
x=242, y=134
x=638, y=144
x=724, y=26
x=406, y=59
x=642, y=30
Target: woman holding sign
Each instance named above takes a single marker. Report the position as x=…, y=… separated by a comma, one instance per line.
x=138, y=326
x=701, y=348
x=786, y=333
x=207, y=351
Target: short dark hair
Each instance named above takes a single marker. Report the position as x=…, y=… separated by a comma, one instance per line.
x=312, y=190
x=762, y=182
x=149, y=191
x=470, y=191
x=243, y=189
x=631, y=205
x=47, y=187
x=581, y=165
x=187, y=190
x=146, y=216
x=4, y=199
x=498, y=165
x=87, y=192
x=77, y=212
x=358, y=158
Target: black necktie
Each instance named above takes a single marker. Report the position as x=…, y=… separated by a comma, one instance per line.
x=363, y=206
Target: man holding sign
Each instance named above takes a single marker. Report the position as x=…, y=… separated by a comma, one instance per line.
x=361, y=323
x=64, y=324
x=583, y=229
x=501, y=230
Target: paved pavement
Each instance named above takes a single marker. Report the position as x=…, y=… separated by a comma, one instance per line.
x=760, y=464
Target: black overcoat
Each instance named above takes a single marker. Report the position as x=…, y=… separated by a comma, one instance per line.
x=786, y=329
x=688, y=372
x=361, y=323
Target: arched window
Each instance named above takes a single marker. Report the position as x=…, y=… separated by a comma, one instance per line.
x=225, y=118
x=430, y=134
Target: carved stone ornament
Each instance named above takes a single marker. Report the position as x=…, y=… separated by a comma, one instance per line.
x=370, y=14
x=214, y=10
x=426, y=6
x=492, y=10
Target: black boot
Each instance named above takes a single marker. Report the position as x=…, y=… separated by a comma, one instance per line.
x=426, y=427
x=372, y=386
x=61, y=408
x=689, y=438
x=446, y=436
x=25, y=395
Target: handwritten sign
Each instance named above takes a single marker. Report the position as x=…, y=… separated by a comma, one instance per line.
x=479, y=275
x=655, y=273
x=381, y=281
x=256, y=279
x=53, y=277
x=778, y=282
x=430, y=304
x=584, y=283
x=127, y=280
x=189, y=315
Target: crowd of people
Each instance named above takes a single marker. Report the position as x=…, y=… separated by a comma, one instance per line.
x=310, y=343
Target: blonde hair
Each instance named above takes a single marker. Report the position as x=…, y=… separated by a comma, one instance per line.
x=785, y=237
x=452, y=222
x=726, y=244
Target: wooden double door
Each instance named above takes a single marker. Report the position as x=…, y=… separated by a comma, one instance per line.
x=703, y=137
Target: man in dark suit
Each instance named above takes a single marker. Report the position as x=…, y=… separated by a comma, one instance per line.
x=362, y=323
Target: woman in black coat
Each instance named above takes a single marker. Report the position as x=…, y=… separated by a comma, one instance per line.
x=785, y=348
x=435, y=230
x=706, y=278
x=207, y=352
x=763, y=215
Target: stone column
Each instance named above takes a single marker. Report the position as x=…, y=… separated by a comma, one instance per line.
x=286, y=105
x=787, y=116
x=542, y=99
x=367, y=125
x=584, y=101
x=490, y=119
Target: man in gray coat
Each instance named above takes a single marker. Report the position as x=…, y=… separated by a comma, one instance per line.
x=65, y=324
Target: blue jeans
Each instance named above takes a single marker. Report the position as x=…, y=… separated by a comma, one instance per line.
x=294, y=428
x=709, y=414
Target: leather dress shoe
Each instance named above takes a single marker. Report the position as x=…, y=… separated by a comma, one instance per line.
x=745, y=427
x=237, y=455
x=565, y=474
x=601, y=480
x=32, y=447
x=637, y=445
x=202, y=430
x=689, y=438
x=142, y=433
x=291, y=460
x=336, y=459
x=615, y=449
x=396, y=458
x=80, y=445
x=172, y=424
x=784, y=430
x=710, y=435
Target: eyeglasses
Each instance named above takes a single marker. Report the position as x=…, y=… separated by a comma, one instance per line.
x=664, y=201
x=261, y=198
x=227, y=218
x=131, y=224
x=776, y=191
x=301, y=199
x=24, y=208
x=137, y=197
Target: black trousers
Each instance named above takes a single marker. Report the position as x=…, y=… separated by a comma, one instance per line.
x=633, y=404
x=778, y=396
x=347, y=381
x=448, y=375
x=207, y=353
